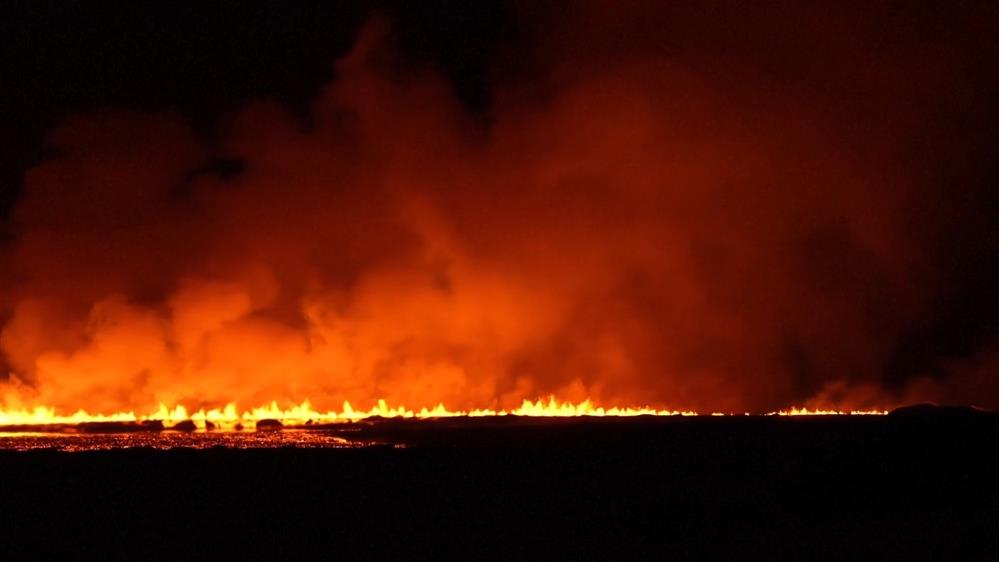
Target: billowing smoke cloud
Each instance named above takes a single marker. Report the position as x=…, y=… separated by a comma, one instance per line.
x=663, y=207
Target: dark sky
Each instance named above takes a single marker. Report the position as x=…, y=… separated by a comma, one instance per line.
x=888, y=111
x=207, y=58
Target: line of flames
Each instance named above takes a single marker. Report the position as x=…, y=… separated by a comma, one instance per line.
x=230, y=415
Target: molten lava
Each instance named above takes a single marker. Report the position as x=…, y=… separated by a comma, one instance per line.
x=231, y=416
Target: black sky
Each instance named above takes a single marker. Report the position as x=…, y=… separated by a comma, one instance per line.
x=204, y=59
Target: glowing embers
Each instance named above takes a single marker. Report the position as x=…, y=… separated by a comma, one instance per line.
x=231, y=417
x=164, y=440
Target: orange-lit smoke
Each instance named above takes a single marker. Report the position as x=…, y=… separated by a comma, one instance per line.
x=638, y=227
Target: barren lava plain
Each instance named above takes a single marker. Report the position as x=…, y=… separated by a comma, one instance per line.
x=919, y=483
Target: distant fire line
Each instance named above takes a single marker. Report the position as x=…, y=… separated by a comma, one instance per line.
x=303, y=413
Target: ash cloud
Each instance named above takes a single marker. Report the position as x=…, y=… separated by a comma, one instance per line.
x=715, y=209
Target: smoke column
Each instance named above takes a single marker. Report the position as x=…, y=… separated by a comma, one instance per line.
x=722, y=209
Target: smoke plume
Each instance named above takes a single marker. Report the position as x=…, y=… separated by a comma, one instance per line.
x=721, y=209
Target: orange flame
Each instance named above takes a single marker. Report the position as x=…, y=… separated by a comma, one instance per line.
x=230, y=415
x=795, y=411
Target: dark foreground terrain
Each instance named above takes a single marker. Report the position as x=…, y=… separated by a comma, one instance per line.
x=917, y=486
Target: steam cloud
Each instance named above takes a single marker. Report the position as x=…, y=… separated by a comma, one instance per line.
x=664, y=208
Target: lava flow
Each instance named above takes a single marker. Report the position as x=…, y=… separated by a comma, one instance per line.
x=230, y=416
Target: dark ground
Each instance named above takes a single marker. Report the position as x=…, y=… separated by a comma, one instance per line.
x=917, y=487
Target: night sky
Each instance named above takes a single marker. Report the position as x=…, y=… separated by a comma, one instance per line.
x=204, y=59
